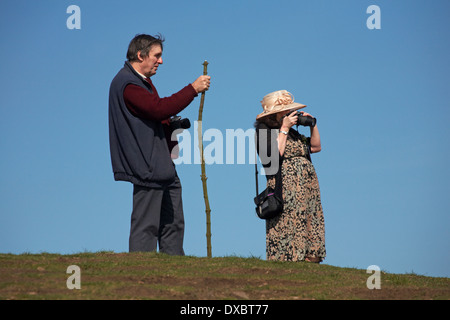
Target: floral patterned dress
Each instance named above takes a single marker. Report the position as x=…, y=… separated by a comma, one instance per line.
x=299, y=231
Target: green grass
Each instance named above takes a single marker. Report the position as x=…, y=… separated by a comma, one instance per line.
x=108, y=275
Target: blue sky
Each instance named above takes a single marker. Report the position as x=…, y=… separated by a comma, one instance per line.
x=380, y=96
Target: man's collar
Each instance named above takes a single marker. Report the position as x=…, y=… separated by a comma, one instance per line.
x=132, y=68
x=144, y=77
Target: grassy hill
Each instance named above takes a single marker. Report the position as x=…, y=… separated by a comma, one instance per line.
x=108, y=275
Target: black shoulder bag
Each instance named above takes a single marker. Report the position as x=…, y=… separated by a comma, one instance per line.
x=269, y=203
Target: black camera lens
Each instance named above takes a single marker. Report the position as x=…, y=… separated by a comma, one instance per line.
x=185, y=123
x=306, y=121
x=178, y=123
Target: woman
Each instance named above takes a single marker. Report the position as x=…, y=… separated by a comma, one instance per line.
x=298, y=233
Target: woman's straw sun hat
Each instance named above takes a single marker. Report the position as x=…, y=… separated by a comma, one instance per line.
x=278, y=101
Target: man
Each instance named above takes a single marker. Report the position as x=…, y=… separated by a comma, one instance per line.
x=139, y=138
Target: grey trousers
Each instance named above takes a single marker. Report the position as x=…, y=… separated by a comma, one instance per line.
x=157, y=218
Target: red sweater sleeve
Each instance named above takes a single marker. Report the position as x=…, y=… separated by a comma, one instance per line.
x=146, y=105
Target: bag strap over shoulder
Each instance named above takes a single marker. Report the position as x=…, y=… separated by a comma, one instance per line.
x=278, y=179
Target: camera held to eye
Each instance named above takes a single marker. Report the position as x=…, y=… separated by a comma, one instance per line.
x=177, y=123
x=305, y=121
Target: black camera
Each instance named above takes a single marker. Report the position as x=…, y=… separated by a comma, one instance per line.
x=177, y=123
x=305, y=120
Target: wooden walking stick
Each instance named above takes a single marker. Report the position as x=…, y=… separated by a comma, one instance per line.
x=203, y=175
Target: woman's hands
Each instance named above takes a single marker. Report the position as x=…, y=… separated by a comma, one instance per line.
x=291, y=119
x=288, y=121
x=306, y=114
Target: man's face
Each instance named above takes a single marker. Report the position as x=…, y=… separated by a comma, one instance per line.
x=150, y=64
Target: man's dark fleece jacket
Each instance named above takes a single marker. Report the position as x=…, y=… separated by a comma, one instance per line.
x=138, y=129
